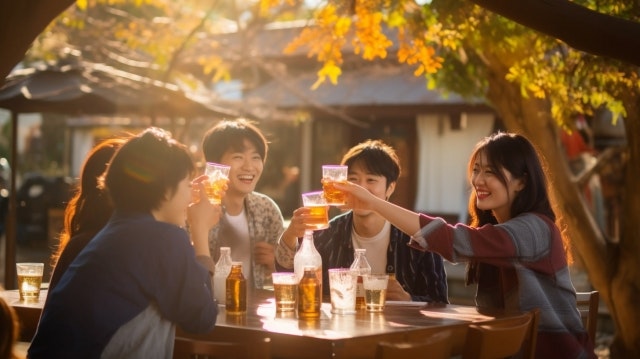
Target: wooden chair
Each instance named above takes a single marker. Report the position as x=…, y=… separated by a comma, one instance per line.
x=185, y=348
x=437, y=346
x=529, y=345
x=588, y=306
x=503, y=337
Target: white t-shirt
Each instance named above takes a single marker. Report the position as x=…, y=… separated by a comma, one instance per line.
x=241, y=251
x=376, y=247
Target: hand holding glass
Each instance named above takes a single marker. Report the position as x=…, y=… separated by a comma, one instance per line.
x=330, y=175
x=375, y=291
x=318, y=209
x=29, y=280
x=342, y=284
x=285, y=287
x=218, y=177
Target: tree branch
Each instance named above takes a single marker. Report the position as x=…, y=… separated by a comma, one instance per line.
x=20, y=23
x=581, y=28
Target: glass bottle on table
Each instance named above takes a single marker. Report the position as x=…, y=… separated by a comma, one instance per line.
x=309, y=294
x=360, y=267
x=307, y=256
x=222, y=269
x=236, y=289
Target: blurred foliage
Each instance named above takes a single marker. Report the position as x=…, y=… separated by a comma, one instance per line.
x=167, y=40
x=448, y=42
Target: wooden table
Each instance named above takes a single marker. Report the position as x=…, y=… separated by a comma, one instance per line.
x=331, y=336
x=28, y=312
x=341, y=336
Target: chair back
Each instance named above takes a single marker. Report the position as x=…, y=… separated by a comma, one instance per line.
x=437, y=346
x=185, y=348
x=502, y=337
x=587, y=303
x=530, y=340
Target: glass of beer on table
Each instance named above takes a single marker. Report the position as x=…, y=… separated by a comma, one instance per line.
x=285, y=287
x=375, y=291
x=29, y=280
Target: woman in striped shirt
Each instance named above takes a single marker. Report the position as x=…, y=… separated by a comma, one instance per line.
x=516, y=251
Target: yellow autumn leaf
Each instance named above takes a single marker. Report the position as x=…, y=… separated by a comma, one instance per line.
x=396, y=19
x=342, y=26
x=329, y=70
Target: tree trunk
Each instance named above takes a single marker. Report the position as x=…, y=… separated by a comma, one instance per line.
x=581, y=28
x=20, y=23
x=623, y=275
x=614, y=273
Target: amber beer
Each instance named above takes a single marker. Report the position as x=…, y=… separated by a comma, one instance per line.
x=375, y=291
x=285, y=297
x=29, y=280
x=332, y=174
x=218, y=177
x=360, y=303
x=333, y=195
x=374, y=299
x=309, y=294
x=29, y=286
x=285, y=287
x=318, y=216
x=236, y=298
x=214, y=190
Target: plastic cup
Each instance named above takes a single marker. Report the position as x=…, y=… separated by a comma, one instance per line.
x=218, y=177
x=330, y=175
x=375, y=291
x=29, y=280
x=285, y=287
x=318, y=208
x=342, y=285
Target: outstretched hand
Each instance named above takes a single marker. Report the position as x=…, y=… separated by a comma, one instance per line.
x=358, y=197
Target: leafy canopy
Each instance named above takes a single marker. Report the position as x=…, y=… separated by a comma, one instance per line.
x=453, y=43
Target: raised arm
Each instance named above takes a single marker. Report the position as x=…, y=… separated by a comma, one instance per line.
x=359, y=198
x=202, y=216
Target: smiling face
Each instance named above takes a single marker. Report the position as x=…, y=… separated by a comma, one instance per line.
x=246, y=168
x=492, y=194
x=376, y=184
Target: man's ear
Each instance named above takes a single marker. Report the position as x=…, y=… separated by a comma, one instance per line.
x=390, y=189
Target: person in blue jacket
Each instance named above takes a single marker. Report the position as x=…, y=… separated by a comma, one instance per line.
x=140, y=276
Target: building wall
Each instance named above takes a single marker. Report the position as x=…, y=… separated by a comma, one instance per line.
x=442, y=185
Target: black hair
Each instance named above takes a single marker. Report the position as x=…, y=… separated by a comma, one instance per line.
x=230, y=134
x=377, y=157
x=145, y=169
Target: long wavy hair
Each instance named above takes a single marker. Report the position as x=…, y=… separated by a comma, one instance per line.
x=90, y=208
x=516, y=154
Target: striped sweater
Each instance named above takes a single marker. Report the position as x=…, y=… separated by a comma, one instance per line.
x=522, y=266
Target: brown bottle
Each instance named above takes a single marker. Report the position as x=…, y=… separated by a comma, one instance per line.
x=236, y=298
x=309, y=294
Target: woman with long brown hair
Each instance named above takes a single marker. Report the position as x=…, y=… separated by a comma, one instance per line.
x=87, y=211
